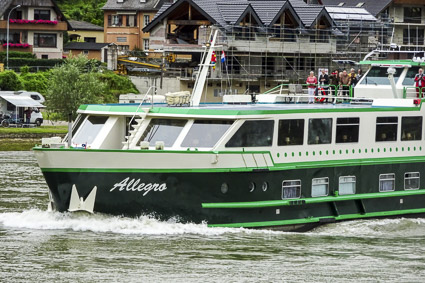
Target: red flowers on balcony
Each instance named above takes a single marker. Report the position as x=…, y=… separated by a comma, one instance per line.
x=46, y=22
x=18, y=45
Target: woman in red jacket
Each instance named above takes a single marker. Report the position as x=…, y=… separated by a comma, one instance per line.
x=420, y=83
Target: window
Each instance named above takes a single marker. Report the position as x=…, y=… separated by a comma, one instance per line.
x=42, y=14
x=387, y=182
x=131, y=21
x=146, y=20
x=409, y=80
x=90, y=39
x=291, y=189
x=85, y=52
x=145, y=44
x=411, y=181
x=386, y=129
x=115, y=20
x=347, y=185
x=44, y=40
x=166, y=130
x=291, y=132
x=347, y=130
x=319, y=187
x=412, y=15
x=121, y=39
x=413, y=36
x=253, y=133
x=44, y=56
x=379, y=76
x=411, y=128
x=89, y=130
x=320, y=131
x=205, y=133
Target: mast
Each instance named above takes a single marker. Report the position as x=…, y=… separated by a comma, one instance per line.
x=202, y=75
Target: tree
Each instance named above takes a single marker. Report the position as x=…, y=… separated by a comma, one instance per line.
x=72, y=84
x=10, y=81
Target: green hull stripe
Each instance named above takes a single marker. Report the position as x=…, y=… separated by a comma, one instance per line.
x=317, y=219
x=288, y=202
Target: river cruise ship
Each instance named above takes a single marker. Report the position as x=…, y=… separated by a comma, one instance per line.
x=289, y=166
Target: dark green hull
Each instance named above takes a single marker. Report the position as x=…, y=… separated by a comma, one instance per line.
x=198, y=197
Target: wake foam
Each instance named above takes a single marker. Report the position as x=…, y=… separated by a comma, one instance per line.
x=98, y=223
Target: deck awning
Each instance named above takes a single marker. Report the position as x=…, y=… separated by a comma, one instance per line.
x=22, y=101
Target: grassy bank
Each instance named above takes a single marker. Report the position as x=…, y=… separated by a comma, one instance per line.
x=18, y=139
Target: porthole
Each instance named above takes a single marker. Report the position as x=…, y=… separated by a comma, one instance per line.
x=278, y=155
x=224, y=188
x=251, y=187
x=265, y=186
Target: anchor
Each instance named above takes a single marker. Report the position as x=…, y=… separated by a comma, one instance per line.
x=77, y=203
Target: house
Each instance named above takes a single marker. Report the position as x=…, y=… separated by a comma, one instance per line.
x=93, y=50
x=406, y=19
x=34, y=26
x=85, y=32
x=124, y=21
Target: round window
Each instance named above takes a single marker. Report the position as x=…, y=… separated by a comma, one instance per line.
x=265, y=186
x=251, y=187
x=224, y=188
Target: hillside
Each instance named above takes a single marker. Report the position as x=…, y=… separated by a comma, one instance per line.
x=83, y=10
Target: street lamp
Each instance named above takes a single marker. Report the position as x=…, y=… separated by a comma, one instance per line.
x=7, y=38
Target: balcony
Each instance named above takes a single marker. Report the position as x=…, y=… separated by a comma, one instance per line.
x=60, y=26
x=20, y=49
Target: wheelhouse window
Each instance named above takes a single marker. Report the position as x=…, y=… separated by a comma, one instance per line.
x=319, y=131
x=411, y=128
x=409, y=80
x=387, y=182
x=347, y=185
x=319, y=187
x=89, y=130
x=291, y=132
x=291, y=189
x=347, y=130
x=252, y=134
x=379, y=76
x=42, y=14
x=206, y=133
x=165, y=130
x=44, y=40
x=411, y=180
x=386, y=129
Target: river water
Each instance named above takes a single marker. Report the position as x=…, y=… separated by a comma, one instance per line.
x=37, y=245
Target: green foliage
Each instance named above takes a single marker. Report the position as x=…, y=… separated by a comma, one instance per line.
x=71, y=85
x=10, y=81
x=83, y=10
x=35, y=81
x=24, y=69
x=117, y=84
x=16, y=54
x=19, y=62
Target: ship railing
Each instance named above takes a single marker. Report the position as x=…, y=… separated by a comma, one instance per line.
x=138, y=108
x=328, y=92
x=413, y=92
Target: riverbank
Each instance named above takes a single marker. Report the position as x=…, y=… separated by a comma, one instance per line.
x=18, y=139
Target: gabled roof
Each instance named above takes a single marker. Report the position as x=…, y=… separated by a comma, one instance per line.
x=85, y=46
x=310, y=12
x=374, y=7
x=231, y=12
x=133, y=5
x=81, y=25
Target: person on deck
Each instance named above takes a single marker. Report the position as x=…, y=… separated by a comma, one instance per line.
x=353, y=80
x=344, y=82
x=311, y=83
x=334, y=80
x=324, y=85
x=420, y=83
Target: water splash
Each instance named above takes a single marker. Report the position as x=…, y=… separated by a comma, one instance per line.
x=99, y=223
